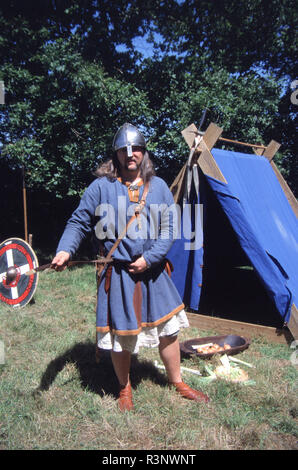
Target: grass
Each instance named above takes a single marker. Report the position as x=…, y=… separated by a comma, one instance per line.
x=53, y=395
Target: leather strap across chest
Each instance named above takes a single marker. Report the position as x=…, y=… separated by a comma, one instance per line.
x=137, y=213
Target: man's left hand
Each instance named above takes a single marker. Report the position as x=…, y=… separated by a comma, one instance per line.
x=138, y=266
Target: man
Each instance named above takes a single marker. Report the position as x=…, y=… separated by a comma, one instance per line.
x=138, y=303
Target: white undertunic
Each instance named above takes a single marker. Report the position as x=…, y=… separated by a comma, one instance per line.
x=148, y=337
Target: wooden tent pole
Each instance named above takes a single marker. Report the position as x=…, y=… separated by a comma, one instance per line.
x=205, y=159
x=242, y=143
x=193, y=130
x=25, y=207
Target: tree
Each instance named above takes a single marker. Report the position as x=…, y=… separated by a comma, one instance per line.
x=248, y=46
x=62, y=107
x=69, y=85
x=245, y=106
x=237, y=35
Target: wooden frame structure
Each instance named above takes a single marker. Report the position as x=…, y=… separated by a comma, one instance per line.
x=200, y=145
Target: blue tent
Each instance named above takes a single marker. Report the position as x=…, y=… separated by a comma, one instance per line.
x=258, y=216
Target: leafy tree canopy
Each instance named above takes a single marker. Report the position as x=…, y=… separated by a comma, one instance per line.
x=73, y=73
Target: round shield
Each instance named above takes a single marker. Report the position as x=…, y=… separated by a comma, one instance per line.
x=16, y=259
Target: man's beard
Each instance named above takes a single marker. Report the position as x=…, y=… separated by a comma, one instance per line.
x=136, y=166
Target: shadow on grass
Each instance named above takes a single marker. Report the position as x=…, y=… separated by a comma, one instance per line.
x=98, y=377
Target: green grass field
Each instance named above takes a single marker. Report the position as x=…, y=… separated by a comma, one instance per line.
x=53, y=394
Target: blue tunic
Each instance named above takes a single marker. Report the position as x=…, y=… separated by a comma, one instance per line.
x=127, y=302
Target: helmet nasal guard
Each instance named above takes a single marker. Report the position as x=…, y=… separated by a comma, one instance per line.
x=127, y=136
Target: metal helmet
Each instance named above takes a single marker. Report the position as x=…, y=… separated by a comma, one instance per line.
x=127, y=136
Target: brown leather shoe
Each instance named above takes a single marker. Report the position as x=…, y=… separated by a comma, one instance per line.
x=185, y=391
x=125, y=398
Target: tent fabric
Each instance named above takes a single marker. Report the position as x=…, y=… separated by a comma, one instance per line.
x=186, y=255
x=264, y=224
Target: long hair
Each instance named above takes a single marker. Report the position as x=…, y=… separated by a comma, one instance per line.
x=111, y=168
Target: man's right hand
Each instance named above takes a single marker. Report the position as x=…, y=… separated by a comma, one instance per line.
x=59, y=263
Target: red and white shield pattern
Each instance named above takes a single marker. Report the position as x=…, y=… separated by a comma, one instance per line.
x=16, y=253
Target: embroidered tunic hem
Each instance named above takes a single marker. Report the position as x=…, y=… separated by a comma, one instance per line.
x=163, y=319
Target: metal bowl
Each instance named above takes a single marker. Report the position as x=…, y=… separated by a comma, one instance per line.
x=237, y=343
